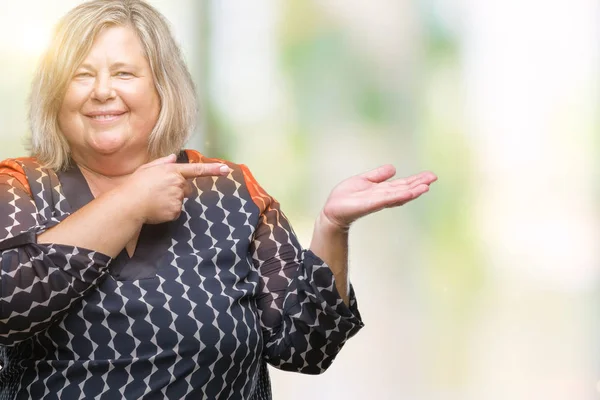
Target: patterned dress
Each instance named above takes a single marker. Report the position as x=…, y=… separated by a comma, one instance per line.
x=204, y=303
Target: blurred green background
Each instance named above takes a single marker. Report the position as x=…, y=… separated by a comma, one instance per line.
x=485, y=288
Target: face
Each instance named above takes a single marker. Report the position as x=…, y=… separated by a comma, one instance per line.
x=111, y=104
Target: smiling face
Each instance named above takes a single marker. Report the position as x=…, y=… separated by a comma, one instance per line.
x=111, y=104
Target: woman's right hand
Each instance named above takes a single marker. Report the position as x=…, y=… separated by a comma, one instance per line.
x=159, y=187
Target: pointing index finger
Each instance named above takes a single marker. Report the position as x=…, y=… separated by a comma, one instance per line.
x=202, y=169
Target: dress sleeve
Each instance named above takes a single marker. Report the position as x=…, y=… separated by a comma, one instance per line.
x=304, y=320
x=38, y=283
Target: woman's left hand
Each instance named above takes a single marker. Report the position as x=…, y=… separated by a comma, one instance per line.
x=367, y=193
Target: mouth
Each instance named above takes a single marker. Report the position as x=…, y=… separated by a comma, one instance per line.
x=107, y=117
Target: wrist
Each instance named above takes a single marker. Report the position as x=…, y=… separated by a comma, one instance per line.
x=130, y=204
x=330, y=225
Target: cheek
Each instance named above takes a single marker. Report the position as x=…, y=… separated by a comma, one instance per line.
x=69, y=118
x=74, y=99
x=143, y=103
x=66, y=116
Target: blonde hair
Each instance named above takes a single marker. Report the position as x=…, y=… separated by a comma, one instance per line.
x=72, y=40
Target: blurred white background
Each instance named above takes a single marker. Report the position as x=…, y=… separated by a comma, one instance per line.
x=487, y=287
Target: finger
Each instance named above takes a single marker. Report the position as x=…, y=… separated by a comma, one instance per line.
x=386, y=197
x=395, y=199
x=378, y=199
x=187, y=189
x=408, y=181
x=425, y=177
x=171, y=158
x=202, y=169
x=380, y=174
x=399, y=184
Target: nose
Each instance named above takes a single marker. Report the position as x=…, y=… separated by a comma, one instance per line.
x=103, y=90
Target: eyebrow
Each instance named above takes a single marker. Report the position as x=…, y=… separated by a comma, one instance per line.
x=119, y=65
x=114, y=66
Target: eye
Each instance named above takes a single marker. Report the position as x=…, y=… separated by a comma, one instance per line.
x=124, y=74
x=82, y=75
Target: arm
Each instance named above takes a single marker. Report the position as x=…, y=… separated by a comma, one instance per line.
x=37, y=282
x=122, y=211
x=330, y=242
x=352, y=199
x=153, y=194
x=112, y=212
x=304, y=321
x=307, y=307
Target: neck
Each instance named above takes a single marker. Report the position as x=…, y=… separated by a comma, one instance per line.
x=105, y=172
x=112, y=165
x=100, y=183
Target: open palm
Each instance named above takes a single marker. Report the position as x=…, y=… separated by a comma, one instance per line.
x=372, y=191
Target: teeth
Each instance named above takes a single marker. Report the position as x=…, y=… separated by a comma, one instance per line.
x=104, y=117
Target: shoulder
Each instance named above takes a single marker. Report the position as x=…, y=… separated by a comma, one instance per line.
x=260, y=197
x=195, y=156
x=13, y=173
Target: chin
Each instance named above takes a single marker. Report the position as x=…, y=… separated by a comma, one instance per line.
x=106, y=151
x=111, y=163
x=108, y=147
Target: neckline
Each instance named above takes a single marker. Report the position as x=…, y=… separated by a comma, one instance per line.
x=153, y=241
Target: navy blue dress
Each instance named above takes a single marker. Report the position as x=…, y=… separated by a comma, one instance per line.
x=204, y=303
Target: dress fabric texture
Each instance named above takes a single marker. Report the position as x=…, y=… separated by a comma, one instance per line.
x=200, y=308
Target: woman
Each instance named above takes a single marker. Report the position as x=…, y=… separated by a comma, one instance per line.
x=133, y=269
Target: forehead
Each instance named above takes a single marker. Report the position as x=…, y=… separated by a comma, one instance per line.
x=116, y=43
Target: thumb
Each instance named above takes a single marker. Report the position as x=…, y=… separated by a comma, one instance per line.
x=171, y=158
x=380, y=174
